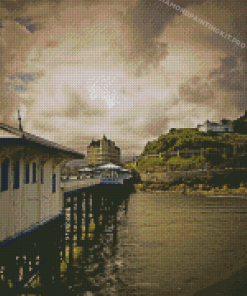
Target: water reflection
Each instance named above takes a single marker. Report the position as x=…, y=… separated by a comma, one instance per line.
x=106, y=265
x=169, y=245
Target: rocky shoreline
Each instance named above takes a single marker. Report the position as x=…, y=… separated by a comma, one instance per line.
x=200, y=182
x=185, y=189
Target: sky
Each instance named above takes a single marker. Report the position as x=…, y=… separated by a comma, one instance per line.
x=129, y=69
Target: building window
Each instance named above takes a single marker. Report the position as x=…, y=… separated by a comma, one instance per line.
x=5, y=175
x=53, y=183
x=34, y=172
x=27, y=173
x=16, y=181
x=42, y=175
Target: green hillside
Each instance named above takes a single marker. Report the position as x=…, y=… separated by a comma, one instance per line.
x=240, y=124
x=193, y=139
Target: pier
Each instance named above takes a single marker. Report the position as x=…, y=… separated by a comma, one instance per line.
x=31, y=262
x=43, y=220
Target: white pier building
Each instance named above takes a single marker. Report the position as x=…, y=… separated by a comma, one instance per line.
x=30, y=176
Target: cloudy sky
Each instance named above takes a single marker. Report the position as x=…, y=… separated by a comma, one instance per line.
x=78, y=69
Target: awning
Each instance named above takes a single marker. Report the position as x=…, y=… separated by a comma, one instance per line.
x=85, y=170
x=109, y=166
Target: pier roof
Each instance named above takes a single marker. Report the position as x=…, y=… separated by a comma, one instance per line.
x=24, y=138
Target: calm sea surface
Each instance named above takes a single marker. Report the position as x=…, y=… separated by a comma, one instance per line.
x=170, y=244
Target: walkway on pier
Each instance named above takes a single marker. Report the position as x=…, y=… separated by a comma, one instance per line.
x=69, y=186
x=79, y=184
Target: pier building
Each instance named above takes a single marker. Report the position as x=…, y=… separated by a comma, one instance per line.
x=30, y=176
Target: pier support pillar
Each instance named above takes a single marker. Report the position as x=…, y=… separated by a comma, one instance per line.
x=79, y=219
x=70, y=271
x=96, y=214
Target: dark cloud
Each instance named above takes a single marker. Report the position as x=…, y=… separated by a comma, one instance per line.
x=241, y=102
x=27, y=23
x=231, y=78
x=150, y=55
x=25, y=77
x=196, y=90
x=223, y=89
x=151, y=16
x=231, y=75
x=147, y=21
x=13, y=5
x=145, y=52
x=239, y=25
x=16, y=5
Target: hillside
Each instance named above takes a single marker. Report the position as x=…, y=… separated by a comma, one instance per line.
x=207, y=162
x=194, y=139
x=240, y=124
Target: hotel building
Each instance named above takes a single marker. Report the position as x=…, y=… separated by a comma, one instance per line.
x=103, y=151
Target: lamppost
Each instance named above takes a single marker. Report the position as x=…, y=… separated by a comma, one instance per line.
x=19, y=118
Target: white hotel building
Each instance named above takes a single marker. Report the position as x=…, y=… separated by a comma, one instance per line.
x=223, y=126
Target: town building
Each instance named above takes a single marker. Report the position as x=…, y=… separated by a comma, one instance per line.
x=102, y=151
x=223, y=126
x=30, y=176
